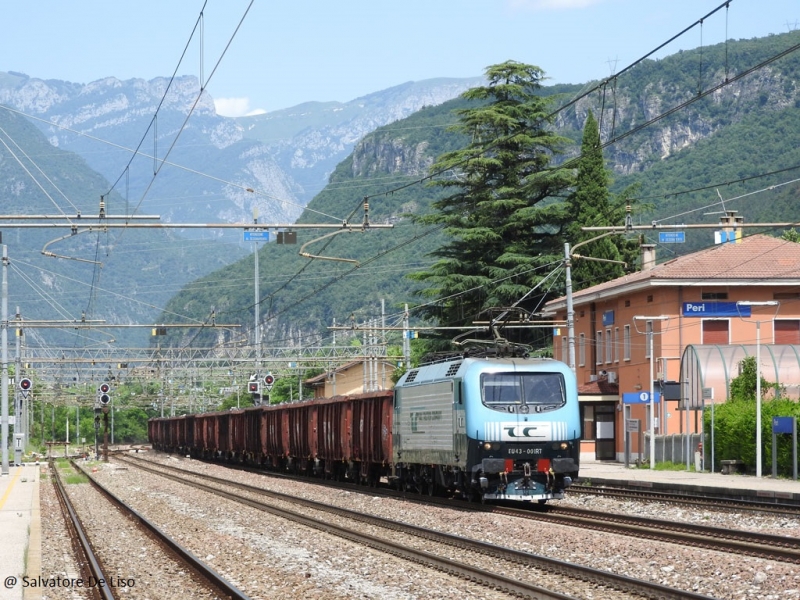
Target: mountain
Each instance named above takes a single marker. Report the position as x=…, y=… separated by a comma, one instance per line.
x=90, y=270
x=81, y=137
x=210, y=168
x=685, y=129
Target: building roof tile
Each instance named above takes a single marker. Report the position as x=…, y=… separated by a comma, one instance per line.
x=753, y=259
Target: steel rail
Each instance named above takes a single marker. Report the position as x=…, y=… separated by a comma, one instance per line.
x=210, y=575
x=569, y=570
x=84, y=545
x=778, y=505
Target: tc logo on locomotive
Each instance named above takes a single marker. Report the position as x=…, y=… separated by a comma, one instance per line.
x=516, y=431
x=519, y=431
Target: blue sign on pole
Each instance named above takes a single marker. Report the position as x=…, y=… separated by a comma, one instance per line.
x=671, y=237
x=640, y=397
x=782, y=424
x=714, y=309
x=256, y=236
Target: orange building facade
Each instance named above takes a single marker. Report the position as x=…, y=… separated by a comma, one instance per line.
x=706, y=299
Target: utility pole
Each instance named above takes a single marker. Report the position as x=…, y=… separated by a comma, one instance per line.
x=4, y=341
x=257, y=301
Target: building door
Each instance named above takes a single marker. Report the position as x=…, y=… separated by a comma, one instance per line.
x=605, y=418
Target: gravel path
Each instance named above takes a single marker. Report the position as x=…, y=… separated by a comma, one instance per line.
x=323, y=558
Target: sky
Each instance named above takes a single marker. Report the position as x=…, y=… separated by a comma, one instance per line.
x=286, y=53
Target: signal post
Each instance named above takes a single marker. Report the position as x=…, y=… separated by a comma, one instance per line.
x=102, y=407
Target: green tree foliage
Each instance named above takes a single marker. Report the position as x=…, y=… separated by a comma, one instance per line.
x=791, y=235
x=240, y=400
x=592, y=205
x=735, y=433
x=743, y=387
x=503, y=217
x=735, y=421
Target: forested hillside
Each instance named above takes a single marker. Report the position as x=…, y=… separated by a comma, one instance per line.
x=719, y=137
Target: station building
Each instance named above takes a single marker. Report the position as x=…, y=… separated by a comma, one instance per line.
x=701, y=314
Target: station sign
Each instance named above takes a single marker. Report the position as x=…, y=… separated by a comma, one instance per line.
x=640, y=397
x=256, y=236
x=782, y=424
x=714, y=309
x=671, y=237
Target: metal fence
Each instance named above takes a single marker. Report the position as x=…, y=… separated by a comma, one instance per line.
x=672, y=448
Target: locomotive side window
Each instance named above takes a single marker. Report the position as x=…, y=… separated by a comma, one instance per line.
x=523, y=391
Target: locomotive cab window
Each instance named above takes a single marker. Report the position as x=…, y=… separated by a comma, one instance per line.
x=523, y=392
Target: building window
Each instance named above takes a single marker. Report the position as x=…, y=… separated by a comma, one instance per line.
x=582, y=350
x=588, y=422
x=609, y=348
x=598, y=348
x=716, y=332
x=626, y=342
x=616, y=344
x=714, y=295
x=787, y=331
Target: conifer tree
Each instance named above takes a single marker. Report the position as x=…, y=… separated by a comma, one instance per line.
x=506, y=214
x=592, y=205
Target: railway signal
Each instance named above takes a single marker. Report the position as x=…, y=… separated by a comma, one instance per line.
x=254, y=387
x=105, y=393
x=25, y=386
x=269, y=381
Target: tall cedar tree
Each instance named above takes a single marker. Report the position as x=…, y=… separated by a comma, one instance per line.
x=592, y=205
x=504, y=218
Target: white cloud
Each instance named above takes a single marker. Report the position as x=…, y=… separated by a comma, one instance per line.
x=236, y=107
x=552, y=4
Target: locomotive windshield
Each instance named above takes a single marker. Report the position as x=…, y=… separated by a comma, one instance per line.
x=523, y=392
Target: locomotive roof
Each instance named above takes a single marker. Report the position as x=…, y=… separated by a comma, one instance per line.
x=451, y=369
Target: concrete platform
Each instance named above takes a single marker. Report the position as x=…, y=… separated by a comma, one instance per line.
x=21, y=549
x=734, y=485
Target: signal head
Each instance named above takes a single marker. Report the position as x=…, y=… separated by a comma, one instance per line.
x=105, y=399
x=269, y=379
x=25, y=384
x=104, y=388
x=254, y=387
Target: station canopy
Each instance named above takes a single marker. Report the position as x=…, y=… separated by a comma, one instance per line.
x=712, y=367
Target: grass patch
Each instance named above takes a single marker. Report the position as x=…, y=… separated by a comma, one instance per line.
x=75, y=478
x=667, y=466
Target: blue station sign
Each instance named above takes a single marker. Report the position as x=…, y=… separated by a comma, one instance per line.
x=256, y=236
x=782, y=424
x=671, y=237
x=714, y=309
x=640, y=397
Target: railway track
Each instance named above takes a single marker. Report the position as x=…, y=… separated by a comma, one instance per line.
x=601, y=582
x=739, y=542
x=92, y=571
x=103, y=556
x=703, y=502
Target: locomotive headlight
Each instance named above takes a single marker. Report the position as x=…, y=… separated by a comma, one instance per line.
x=561, y=446
x=487, y=446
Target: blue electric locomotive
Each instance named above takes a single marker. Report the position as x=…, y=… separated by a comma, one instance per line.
x=488, y=428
